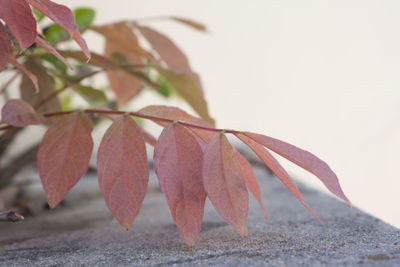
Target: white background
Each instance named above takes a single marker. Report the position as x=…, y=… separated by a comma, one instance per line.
x=323, y=75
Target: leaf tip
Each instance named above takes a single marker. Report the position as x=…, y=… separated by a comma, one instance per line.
x=244, y=232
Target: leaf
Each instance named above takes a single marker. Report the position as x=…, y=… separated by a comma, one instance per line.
x=64, y=17
x=171, y=54
x=29, y=74
x=304, y=159
x=195, y=25
x=64, y=154
x=167, y=50
x=176, y=114
x=224, y=183
x=18, y=16
x=122, y=170
x=250, y=180
x=188, y=88
x=51, y=50
x=93, y=96
x=124, y=85
x=178, y=165
x=47, y=88
x=96, y=59
x=276, y=168
x=4, y=47
x=84, y=18
x=39, y=15
x=18, y=113
x=121, y=34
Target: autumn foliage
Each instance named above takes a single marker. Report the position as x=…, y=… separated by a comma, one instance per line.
x=193, y=160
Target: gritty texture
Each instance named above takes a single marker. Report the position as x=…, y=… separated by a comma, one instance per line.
x=83, y=233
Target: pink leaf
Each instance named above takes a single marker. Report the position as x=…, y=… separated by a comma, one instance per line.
x=4, y=47
x=122, y=170
x=30, y=75
x=276, y=168
x=51, y=50
x=251, y=180
x=304, y=159
x=173, y=113
x=19, y=113
x=64, y=154
x=18, y=16
x=224, y=183
x=64, y=17
x=178, y=165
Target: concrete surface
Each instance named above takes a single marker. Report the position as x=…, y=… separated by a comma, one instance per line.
x=83, y=233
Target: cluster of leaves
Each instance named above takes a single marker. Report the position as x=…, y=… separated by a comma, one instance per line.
x=193, y=160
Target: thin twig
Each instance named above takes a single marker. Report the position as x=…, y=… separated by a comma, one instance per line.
x=10, y=216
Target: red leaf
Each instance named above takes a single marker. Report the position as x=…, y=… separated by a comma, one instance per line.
x=124, y=85
x=4, y=47
x=178, y=164
x=251, y=180
x=18, y=16
x=18, y=113
x=64, y=154
x=224, y=183
x=51, y=50
x=173, y=113
x=30, y=75
x=64, y=17
x=122, y=170
x=304, y=159
x=276, y=168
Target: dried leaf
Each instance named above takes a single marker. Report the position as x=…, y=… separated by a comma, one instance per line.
x=52, y=50
x=122, y=170
x=18, y=113
x=251, y=180
x=188, y=22
x=188, y=88
x=4, y=47
x=276, y=168
x=64, y=154
x=64, y=17
x=304, y=159
x=178, y=165
x=18, y=16
x=30, y=75
x=121, y=34
x=224, y=183
x=47, y=88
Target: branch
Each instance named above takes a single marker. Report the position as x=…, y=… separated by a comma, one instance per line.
x=10, y=216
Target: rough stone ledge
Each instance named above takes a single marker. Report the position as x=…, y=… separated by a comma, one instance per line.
x=86, y=234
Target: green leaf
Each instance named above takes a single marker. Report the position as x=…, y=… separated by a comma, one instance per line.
x=60, y=66
x=93, y=96
x=84, y=18
x=166, y=89
x=39, y=15
x=55, y=34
